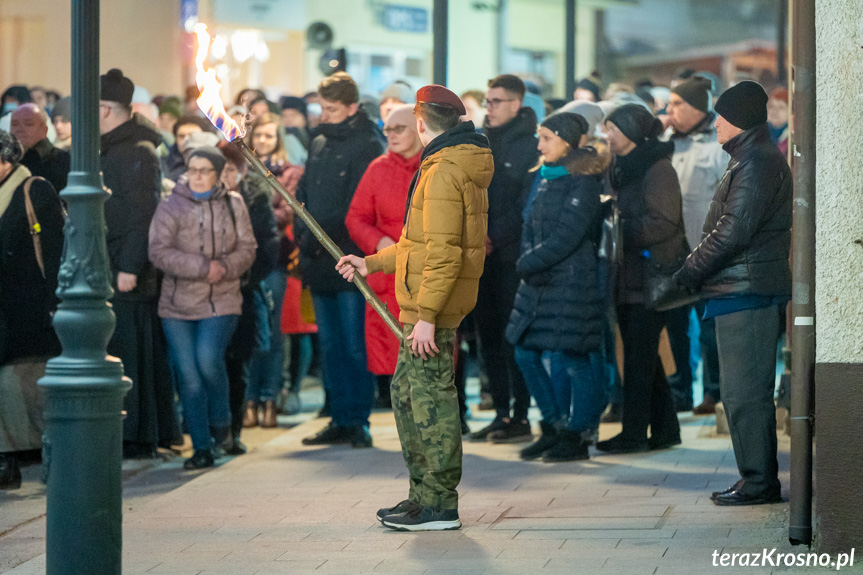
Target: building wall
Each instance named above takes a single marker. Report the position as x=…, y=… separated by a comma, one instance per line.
x=35, y=40
x=146, y=40
x=839, y=274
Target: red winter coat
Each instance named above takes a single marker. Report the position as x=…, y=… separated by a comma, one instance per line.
x=378, y=210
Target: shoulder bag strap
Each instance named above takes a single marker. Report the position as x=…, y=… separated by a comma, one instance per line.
x=35, y=228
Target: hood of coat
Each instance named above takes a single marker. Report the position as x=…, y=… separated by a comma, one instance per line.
x=182, y=189
x=475, y=161
x=255, y=187
x=589, y=161
x=136, y=129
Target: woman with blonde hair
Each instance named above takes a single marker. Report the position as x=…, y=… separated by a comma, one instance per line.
x=265, y=379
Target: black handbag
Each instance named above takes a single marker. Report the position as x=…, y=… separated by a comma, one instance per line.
x=662, y=293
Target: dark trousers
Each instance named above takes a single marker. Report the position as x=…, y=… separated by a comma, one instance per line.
x=238, y=377
x=709, y=354
x=646, y=395
x=677, y=323
x=497, y=289
x=347, y=381
x=747, y=361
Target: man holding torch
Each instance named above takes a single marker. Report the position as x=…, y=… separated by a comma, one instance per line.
x=438, y=261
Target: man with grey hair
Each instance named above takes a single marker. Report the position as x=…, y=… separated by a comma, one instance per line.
x=700, y=163
x=30, y=125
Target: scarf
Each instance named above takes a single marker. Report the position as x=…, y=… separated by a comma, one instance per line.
x=203, y=196
x=15, y=178
x=632, y=167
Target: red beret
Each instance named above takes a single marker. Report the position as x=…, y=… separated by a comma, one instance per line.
x=780, y=93
x=439, y=96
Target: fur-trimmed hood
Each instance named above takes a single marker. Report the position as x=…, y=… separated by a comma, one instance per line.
x=591, y=160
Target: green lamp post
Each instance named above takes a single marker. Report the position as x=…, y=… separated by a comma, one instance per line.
x=84, y=389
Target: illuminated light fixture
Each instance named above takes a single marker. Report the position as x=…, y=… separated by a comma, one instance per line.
x=262, y=52
x=219, y=47
x=244, y=44
x=189, y=24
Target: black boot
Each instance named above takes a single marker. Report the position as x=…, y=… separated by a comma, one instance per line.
x=545, y=442
x=569, y=447
x=10, y=473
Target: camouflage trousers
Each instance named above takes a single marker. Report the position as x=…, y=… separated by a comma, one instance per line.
x=425, y=404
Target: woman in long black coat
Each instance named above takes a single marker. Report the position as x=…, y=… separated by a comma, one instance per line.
x=558, y=309
x=27, y=303
x=651, y=217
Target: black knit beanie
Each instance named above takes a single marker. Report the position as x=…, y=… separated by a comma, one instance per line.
x=636, y=123
x=696, y=92
x=212, y=154
x=567, y=126
x=116, y=87
x=294, y=103
x=744, y=105
x=590, y=84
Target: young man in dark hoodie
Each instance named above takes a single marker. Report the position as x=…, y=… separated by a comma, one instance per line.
x=438, y=262
x=511, y=132
x=346, y=143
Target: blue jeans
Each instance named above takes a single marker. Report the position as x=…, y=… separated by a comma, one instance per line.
x=265, y=369
x=197, y=350
x=341, y=332
x=571, y=393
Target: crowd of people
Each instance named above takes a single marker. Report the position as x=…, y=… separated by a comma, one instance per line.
x=522, y=233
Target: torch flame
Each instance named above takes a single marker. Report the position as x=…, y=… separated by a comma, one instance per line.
x=210, y=101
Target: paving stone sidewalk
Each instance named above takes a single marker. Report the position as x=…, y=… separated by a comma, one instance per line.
x=287, y=508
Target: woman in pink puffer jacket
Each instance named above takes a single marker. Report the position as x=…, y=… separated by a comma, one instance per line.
x=201, y=238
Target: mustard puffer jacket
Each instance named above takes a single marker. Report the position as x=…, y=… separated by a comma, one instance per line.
x=439, y=257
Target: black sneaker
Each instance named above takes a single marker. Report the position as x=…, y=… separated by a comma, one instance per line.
x=236, y=447
x=424, y=519
x=545, y=442
x=569, y=447
x=403, y=507
x=360, y=437
x=512, y=432
x=619, y=444
x=482, y=434
x=330, y=435
x=200, y=459
x=657, y=443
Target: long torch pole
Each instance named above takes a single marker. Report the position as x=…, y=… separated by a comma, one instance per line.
x=321, y=236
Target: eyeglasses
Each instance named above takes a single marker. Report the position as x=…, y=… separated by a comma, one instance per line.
x=398, y=130
x=495, y=102
x=199, y=171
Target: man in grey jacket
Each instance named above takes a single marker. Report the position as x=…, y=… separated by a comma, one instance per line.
x=700, y=163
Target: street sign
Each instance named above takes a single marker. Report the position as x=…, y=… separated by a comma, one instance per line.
x=406, y=19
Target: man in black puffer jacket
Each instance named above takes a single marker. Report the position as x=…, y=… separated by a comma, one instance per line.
x=741, y=267
x=511, y=132
x=346, y=143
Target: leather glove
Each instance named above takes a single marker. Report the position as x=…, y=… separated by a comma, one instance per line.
x=683, y=279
